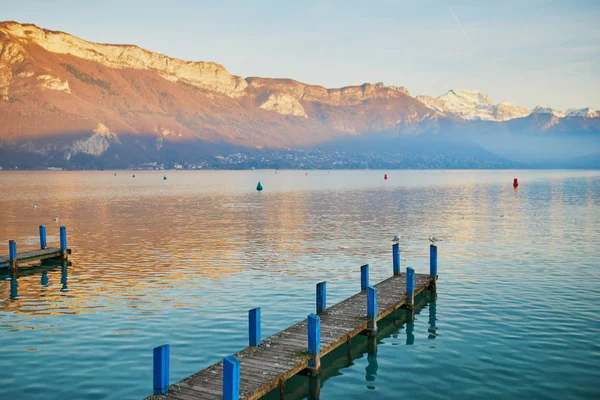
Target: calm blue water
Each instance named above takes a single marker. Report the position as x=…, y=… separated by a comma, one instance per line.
x=181, y=261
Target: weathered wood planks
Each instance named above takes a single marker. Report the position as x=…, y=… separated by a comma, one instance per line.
x=34, y=255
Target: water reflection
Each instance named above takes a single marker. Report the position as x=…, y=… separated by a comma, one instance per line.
x=63, y=278
x=410, y=335
x=25, y=278
x=44, y=279
x=371, y=370
x=14, y=287
x=432, y=318
x=314, y=387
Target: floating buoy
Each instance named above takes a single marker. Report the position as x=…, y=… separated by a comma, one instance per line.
x=385, y=177
x=164, y=178
x=259, y=186
x=515, y=183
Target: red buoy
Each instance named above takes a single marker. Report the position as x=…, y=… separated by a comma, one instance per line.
x=515, y=182
x=385, y=176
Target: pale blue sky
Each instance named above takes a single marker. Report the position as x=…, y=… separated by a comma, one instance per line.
x=528, y=52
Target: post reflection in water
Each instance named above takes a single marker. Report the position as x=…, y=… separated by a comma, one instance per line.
x=432, y=318
x=372, y=366
x=63, y=278
x=44, y=279
x=410, y=336
x=14, y=287
x=314, y=387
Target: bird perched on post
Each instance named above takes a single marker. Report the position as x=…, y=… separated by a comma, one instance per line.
x=396, y=239
x=434, y=239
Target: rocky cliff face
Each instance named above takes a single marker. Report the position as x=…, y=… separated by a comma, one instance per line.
x=52, y=83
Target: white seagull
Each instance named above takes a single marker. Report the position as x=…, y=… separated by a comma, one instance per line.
x=34, y=206
x=396, y=239
x=434, y=239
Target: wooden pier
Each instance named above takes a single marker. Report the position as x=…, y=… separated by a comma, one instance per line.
x=266, y=365
x=14, y=259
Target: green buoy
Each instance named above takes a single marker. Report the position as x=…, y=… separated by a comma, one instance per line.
x=115, y=174
x=134, y=175
x=164, y=178
x=259, y=186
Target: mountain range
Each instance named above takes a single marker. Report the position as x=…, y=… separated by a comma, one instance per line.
x=70, y=103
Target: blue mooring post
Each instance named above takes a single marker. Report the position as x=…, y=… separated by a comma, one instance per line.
x=231, y=378
x=410, y=287
x=364, y=277
x=396, y=258
x=254, y=326
x=433, y=261
x=372, y=308
x=314, y=343
x=63, y=238
x=12, y=253
x=43, y=243
x=321, y=297
x=161, y=369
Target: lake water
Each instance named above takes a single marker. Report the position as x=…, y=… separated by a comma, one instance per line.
x=181, y=260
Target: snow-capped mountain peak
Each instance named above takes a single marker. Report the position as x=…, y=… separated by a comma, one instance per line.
x=582, y=112
x=473, y=105
x=547, y=110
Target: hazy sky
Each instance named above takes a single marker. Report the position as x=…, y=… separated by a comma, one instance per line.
x=528, y=51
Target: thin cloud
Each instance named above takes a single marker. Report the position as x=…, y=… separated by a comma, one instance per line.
x=462, y=29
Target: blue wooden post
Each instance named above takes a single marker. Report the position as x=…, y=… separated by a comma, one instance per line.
x=63, y=238
x=231, y=378
x=396, y=258
x=321, y=297
x=433, y=261
x=254, y=326
x=410, y=287
x=161, y=369
x=314, y=343
x=43, y=243
x=12, y=253
x=12, y=250
x=364, y=277
x=372, y=308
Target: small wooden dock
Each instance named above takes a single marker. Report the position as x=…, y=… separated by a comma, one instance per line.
x=15, y=259
x=266, y=365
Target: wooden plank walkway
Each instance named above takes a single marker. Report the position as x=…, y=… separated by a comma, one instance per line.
x=34, y=255
x=285, y=354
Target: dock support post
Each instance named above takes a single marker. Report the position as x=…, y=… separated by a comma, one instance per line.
x=43, y=243
x=396, y=258
x=231, y=378
x=433, y=265
x=254, y=326
x=410, y=293
x=321, y=297
x=63, y=241
x=314, y=343
x=161, y=369
x=364, y=277
x=12, y=253
x=372, y=309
